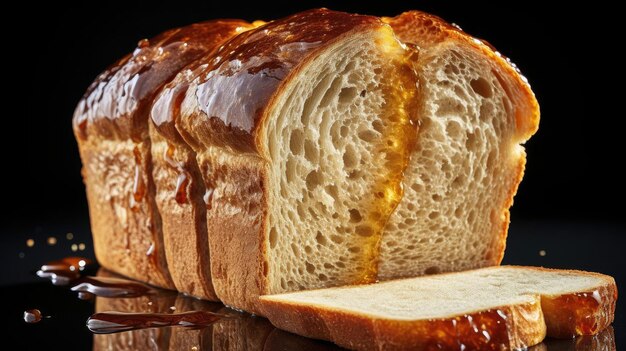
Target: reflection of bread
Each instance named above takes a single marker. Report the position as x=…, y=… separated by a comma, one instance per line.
x=144, y=339
x=510, y=307
x=187, y=338
x=280, y=340
x=238, y=332
x=301, y=130
x=605, y=341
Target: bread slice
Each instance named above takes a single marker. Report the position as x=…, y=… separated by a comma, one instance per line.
x=179, y=186
x=301, y=128
x=491, y=308
x=475, y=110
x=111, y=127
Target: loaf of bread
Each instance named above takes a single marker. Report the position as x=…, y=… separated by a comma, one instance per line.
x=494, y=308
x=322, y=149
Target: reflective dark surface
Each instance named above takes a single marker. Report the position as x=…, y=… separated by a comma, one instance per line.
x=580, y=245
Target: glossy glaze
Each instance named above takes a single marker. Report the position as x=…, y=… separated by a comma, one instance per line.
x=583, y=313
x=166, y=107
x=117, y=102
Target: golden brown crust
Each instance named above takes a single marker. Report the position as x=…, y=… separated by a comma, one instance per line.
x=179, y=191
x=124, y=220
x=507, y=327
x=236, y=215
x=515, y=326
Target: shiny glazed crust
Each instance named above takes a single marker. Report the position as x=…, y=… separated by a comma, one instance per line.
x=111, y=127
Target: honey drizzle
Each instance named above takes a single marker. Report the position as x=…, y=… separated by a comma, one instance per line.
x=183, y=181
x=403, y=129
x=139, y=185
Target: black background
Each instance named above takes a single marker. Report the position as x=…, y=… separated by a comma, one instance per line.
x=567, y=53
x=571, y=202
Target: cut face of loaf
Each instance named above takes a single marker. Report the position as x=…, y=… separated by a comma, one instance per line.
x=492, y=308
x=459, y=184
x=337, y=140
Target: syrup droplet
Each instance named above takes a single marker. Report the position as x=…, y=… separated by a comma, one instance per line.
x=114, y=322
x=182, y=184
x=208, y=197
x=143, y=43
x=150, y=250
x=139, y=187
x=32, y=316
x=63, y=271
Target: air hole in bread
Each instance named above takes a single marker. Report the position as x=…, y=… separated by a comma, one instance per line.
x=346, y=95
x=355, y=216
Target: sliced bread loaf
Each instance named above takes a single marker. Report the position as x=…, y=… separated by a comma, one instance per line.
x=299, y=138
x=491, y=308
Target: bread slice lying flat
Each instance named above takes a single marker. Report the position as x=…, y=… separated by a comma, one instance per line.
x=491, y=308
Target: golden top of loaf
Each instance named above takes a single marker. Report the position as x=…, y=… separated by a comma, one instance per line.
x=248, y=69
x=112, y=104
